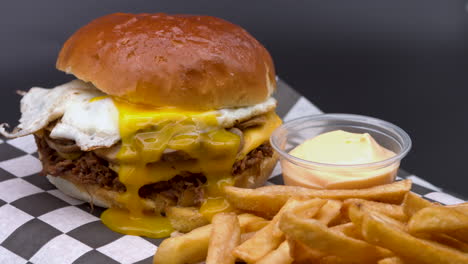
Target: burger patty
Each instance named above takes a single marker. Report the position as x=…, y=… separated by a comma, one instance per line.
x=87, y=168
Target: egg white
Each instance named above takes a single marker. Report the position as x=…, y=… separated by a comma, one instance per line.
x=93, y=123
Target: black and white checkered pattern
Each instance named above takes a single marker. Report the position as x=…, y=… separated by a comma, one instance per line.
x=41, y=225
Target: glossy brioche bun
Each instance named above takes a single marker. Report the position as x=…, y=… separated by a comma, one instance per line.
x=251, y=178
x=195, y=62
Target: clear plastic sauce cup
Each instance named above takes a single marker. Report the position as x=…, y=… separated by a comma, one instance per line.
x=297, y=171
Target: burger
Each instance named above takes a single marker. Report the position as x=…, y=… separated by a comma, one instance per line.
x=165, y=111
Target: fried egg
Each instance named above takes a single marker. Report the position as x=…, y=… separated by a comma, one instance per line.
x=90, y=118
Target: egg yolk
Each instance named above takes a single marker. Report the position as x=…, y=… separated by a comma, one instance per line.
x=146, y=133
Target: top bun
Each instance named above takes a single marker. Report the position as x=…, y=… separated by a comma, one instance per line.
x=195, y=62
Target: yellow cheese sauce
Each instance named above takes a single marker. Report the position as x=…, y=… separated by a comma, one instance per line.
x=146, y=133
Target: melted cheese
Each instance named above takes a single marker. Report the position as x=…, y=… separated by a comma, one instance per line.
x=255, y=136
x=146, y=133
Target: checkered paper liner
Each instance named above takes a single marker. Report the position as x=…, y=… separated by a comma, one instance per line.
x=41, y=225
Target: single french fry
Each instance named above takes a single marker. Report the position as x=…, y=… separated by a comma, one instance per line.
x=188, y=248
x=348, y=229
x=193, y=246
x=392, y=210
x=341, y=219
x=356, y=213
x=460, y=205
x=335, y=260
x=409, y=248
x=462, y=208
x=269, y=237
x=308, y=208
x=391, y=260
x=413, y=203
x=445, y=240
x=317, y=236
x=268, y=200
x=225, y=236
x=251, y=223
x=302, y=254
x=185, y=219
x=438, y=219
x=329, y=212
x=277, y=256
x=461, y=235
x=246, y=236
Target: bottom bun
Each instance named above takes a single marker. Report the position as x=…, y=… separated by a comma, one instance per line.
x=92, y=194
x=250, y=178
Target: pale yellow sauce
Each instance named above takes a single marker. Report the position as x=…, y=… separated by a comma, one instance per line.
x=340, y=148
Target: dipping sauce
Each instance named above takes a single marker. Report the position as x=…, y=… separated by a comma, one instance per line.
x=343, y=149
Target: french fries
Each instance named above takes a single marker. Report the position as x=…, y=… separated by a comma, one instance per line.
x=251, y=223
x=277, y=256
x=317, y=236
x=188, y=248
x=356, y=214
x=246, y=236
x=391, y=210
x=302, y=254
x=268, y=200
x=193, y=246
x=329, y=212
x=446, y=240
x=415, y=250
x=260, y=244
x=178, y=217
x=438, y=219
x=270, y=237
x=392, y=260
x=307, y=209
x=349, y=229
x=413, y=203
x=225, y=236
x=462, y=208
x=335, y=260
x=384, y=225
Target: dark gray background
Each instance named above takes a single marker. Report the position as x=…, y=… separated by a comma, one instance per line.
x=405, y=61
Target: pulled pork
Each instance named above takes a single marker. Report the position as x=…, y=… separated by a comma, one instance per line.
x=186, y=190
x=254, y=158
x=87, y=168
